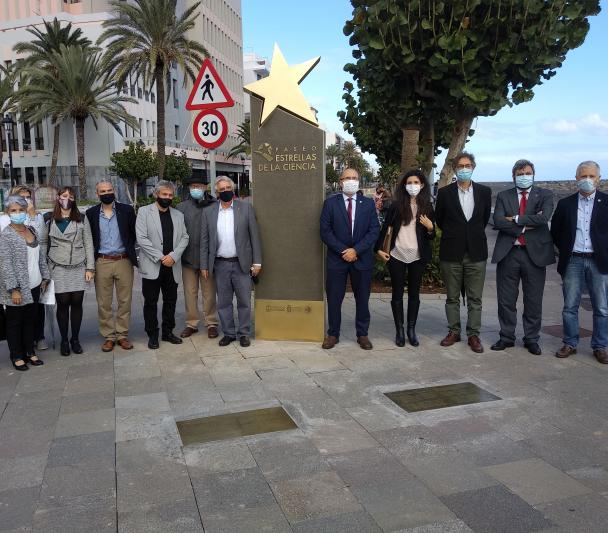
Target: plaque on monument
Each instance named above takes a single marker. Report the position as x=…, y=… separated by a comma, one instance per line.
x=45, y=197
x=288, y=168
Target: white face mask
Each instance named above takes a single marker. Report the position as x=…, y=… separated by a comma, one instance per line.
x=413, y=189
x=350, y=186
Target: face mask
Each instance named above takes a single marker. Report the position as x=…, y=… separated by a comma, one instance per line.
x=107, y=198
x=66, y=203
x=350, y=186
x=524, y=181
x=164, y=202
x=586, y=185
x=196, y=194
x=226, y=196
x=464, y=174
x=18, y=218
x=413, y=189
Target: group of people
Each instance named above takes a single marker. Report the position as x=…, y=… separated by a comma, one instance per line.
x=529, y=235
x=202, y=242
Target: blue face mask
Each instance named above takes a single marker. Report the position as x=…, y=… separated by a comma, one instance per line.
x=464, y=174
x=524, y=181
x=18, y=218
x=586, y=185
x=197, y=194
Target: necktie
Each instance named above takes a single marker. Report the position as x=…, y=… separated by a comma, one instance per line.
x=349, y=212
x=522, y=210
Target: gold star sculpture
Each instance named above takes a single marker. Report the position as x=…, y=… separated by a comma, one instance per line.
x=281, y=88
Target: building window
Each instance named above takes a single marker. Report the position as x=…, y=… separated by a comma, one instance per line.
x=29, y=174
x=146, y=96
x=133, y=90
x=177, y=132
x=152, y=98
x=153, y=129
x=148, y=134
x=41, y=174
x=27, y=137
x=125, y=88
x=139, y=93
x=14, y=138
x=17, y=172
x=38, y=136
x=175, y=100
x=141, y=127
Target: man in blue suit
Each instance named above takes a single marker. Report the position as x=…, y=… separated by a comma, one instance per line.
x=349, y=228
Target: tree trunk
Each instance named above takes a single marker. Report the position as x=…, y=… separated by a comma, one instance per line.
x=409, y=148
x=460, y=132
x=427, y=149
x=134, y=200
x=53, y=175
x=82, y=176
x=160, y=121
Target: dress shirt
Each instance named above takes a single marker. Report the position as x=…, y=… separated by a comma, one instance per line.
x=226, y=246
x=467, y=201
x=110, y=241
x=582, y=242
x=354, y=207
x=516, y=217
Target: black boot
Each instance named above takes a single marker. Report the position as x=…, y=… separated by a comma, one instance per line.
x=397, y=307
x=412, y=317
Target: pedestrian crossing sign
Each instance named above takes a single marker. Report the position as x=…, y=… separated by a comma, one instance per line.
x=208, y=91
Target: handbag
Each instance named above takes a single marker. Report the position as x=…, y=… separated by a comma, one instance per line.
x=48, y=296
x=386, y=243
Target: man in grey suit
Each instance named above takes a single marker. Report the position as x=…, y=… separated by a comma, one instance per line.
x=523, y=250
x=232, y=252
x=162, y=238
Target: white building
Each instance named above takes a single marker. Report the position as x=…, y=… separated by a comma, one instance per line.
x=218, y=28
x=254, y=68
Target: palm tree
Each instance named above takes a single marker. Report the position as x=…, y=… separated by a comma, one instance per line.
x=332, y=153
x=72, y=89
x=243, y=132
x=145, y=38
x=38, y=52
x=349, y=154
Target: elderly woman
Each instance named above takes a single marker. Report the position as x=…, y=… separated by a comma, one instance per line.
x=23, y=275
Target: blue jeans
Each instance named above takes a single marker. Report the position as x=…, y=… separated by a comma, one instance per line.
x=581, y=271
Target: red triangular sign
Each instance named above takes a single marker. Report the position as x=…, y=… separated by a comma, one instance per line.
x=209, y=91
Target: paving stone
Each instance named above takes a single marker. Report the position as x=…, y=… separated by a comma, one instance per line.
x=95, y=448
x=307, y=413
x=340, y=437
x=44, y=379
x=451, y=526
x=266, y=519
x=218, y=457
x=359, y=522
x=77, y=403
x=17, y=507
x=99, y=516
x=594, y=477
x=130, y=387
x=21, y=472
x=378, y=417
x=142, y=454
x=89, y=384
x=587, y=513
x=157, y=401
x=86, y=422
x=496, y=510
x=174, y=517
x=102, y=369
x=12, y=441
x=137, y=424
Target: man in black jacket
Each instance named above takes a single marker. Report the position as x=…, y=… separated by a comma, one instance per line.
x=192, y=208
x=462, y=212
x=113, y=229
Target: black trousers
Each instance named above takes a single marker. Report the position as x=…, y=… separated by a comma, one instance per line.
x=399, y=271
x=151, y=289
x=39, y=326
x=20, y=327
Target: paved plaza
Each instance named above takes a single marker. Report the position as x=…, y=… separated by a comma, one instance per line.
x=90, y=442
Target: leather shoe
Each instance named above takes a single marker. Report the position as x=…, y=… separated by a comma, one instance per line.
x=107, y=346
x=565, y=351
x=188, y=332
x=173, y=339
x=500, y=345
x=212, y=332
x=64, y=348
x=364, y=342
x=76, y=348
x=21, y=368
x=451, y=338
x=329, y=342
x=534, y=348
x=245, y=341
x=475, y=344
x=153, y=343
x=601, y=354
x=34, y=362
x=125, y=344
x=226, y=340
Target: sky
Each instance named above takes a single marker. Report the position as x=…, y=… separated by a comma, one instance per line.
x=565, y=123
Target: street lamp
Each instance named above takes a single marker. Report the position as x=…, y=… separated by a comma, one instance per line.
x=205, y=154
x=141, y=143
x=8, y=124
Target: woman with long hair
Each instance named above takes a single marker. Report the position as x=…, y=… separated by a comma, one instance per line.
x=411, y=219
x=72, y=265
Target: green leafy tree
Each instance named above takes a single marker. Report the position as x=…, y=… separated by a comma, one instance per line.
x=422, y=62
x=38, y=51
x=332, y=153
x=243, y=132
x=388, y=174
x=70, y=88
x=331, y=175
x=134, y=165
x=177, y=167
x=146, y=37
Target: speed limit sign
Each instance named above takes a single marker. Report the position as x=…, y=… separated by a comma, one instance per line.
x=210, y=129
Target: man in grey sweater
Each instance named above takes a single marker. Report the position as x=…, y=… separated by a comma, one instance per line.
x=192, y=208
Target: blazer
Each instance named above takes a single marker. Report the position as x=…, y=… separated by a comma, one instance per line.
x=125, y=216
x=563, y=230
x=149, y=234
x=424, y=238
x=539, y=209
x=13, y=267
x=193, y=218
x=459, y=236
x=72, y=247
x=246, y=236
x=336, y=232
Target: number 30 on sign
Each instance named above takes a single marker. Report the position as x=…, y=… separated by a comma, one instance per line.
x=210, y=129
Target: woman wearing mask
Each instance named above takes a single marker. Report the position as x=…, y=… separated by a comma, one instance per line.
x=24, y=274
x=72, y=265
x=411, y=219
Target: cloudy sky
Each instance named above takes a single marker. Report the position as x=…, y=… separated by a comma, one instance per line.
x=567, y=121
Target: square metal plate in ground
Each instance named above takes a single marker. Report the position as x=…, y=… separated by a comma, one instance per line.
x=232, y=425
x=438, y=397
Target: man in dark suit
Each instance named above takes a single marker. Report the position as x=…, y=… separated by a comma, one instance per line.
x=113, y=229
x=523, y=250
x=349, y=228
x=462, y=212
x=231, y=250
x=580, y=232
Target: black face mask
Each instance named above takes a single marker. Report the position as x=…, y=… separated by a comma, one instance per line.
x=164, y=202
x=226, y=196
x=107, y=198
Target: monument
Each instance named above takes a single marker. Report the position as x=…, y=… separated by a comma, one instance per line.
x=288, y=169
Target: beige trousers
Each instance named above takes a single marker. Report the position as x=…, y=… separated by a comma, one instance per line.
x=191, y=279
x=110, y=274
